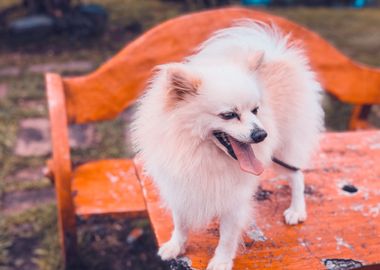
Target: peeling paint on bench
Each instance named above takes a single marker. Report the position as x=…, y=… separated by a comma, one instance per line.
x=341, y=264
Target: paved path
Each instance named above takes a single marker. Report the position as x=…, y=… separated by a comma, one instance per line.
x=18, y=201
x=26, y=188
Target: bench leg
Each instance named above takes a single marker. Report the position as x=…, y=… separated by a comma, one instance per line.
x=68, y=240
x=359, y=117
x=66, y=223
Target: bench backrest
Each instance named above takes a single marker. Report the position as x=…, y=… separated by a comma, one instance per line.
x=104, y=93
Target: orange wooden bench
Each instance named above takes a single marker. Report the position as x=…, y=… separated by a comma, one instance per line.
x=341, y=225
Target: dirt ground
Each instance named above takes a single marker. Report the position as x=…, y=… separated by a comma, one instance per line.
x=28, y=232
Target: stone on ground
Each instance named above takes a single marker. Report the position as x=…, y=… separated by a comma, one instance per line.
x=27, y=178
x=3, y=90
x=27, y=174
x=82, y=136
x=72, y=66
x=34, y=137
x=10, y=71
x=19, y=201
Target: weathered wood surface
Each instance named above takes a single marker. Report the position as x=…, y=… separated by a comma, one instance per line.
x=340, y=225
x=116, y=84
x=108, y=187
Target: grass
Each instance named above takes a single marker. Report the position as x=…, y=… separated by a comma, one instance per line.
x=12, y=186
x=144, y=13
x=102, y=242
x=355, y=32
x=23, y=233
x=27, y=87
x=110, y=143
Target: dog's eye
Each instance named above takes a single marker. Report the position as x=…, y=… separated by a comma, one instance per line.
x=229, y=115
x=255, y=110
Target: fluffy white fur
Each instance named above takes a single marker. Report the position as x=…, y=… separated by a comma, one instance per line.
x=248, y=65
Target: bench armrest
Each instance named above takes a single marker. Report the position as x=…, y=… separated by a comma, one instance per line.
x=61, y=162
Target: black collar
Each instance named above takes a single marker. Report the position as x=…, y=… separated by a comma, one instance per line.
x=285, y=165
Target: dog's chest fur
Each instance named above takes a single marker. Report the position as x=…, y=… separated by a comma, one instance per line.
x=206, y=189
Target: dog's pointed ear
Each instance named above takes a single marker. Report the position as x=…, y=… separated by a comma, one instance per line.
x=256, y=60
x=181, y=83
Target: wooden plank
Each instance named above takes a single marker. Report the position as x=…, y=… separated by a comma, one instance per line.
x=108, y=187
x=340, y=225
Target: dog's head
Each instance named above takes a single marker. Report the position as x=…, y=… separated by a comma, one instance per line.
x=221, y=104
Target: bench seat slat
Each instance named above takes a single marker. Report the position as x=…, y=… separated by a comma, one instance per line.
x=107, y=187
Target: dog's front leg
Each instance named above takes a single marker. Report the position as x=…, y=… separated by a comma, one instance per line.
x=176, y=245
x=231, y=227
x=297, y=211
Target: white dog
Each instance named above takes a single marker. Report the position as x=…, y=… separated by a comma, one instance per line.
x=206, y=128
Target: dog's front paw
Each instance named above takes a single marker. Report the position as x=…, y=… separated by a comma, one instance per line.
x=294, y=216
x=217, y=264
x=170, y=250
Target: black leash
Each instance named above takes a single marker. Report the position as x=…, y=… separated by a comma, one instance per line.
x=285, y=165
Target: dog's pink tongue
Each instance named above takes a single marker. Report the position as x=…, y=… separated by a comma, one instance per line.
x=246, y=158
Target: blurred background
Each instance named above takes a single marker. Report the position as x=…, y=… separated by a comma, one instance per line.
x=75, y=37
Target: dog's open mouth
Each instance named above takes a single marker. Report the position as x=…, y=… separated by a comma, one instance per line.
x=240, y=151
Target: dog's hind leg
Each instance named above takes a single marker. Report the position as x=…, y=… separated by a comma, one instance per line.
x=297, y=210
x=176, y=245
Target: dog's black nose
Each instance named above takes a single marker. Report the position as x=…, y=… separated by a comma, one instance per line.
x=258, y=135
